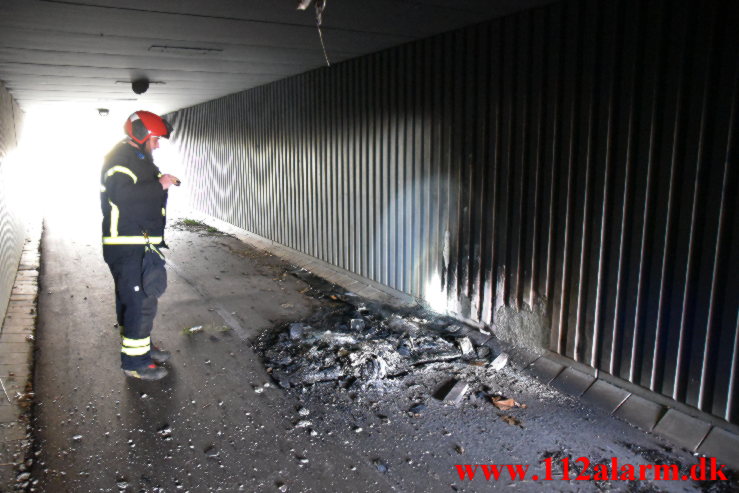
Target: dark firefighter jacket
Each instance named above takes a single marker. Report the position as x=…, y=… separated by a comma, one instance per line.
x=132, y=199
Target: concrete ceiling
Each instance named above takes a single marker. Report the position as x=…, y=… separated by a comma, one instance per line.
x=88, y=51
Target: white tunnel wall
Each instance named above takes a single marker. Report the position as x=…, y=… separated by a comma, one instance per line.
x=12, y=227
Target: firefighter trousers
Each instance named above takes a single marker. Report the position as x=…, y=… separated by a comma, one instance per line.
x=140, y=279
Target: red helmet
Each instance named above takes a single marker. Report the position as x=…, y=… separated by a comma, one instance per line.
x=143, y=124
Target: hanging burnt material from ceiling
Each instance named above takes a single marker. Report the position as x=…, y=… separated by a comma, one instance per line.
x=320, y=6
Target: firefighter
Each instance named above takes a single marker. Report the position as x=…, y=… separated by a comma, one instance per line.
x=133, y=197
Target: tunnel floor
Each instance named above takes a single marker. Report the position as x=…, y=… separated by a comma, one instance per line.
x=221, y=422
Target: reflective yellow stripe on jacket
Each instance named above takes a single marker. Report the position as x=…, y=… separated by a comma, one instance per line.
x=155, y=250
x=115, y=214
x=131, y=240
x=121, y=169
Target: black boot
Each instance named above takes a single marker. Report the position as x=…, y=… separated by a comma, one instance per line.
x=151, y=372
x=158, y=355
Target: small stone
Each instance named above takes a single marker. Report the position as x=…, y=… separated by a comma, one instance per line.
x=417, y=409
x=23, y=477
x=258, y=390
x=297, y=330
x=357, y=429
x=357, y=324
x=380, y=465
x=303, y=423
x=303, y=411
x=483, y=352
x=404, y=350
x=459, y=449
x=165, y=432
x=77, y=438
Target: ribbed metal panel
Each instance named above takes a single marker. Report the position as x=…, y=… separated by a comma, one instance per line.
x=574, y=166
x=12, y=230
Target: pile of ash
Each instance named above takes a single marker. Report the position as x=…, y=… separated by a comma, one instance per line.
x=360, y=344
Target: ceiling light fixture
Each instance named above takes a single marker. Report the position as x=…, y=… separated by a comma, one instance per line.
x=184, y=50
x=151, y=82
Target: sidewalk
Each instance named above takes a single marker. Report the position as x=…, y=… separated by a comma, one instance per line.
x=16, y=362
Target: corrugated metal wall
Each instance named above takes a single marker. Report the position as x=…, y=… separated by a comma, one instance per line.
x=12, y=229
x=571, y=169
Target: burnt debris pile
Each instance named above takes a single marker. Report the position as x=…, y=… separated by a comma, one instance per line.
x=362, y=344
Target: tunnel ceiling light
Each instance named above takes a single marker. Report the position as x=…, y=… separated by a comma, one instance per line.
x=151, y=82
x=184, y=50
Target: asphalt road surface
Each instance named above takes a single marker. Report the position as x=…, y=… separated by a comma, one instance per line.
x=218, y=422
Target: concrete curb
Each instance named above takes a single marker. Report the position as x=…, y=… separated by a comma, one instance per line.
x=685, y=427
x=636, y=405
x=16, y=370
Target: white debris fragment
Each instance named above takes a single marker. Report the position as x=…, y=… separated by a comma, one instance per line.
x=500, y=362
x=465, y=345
x=456, y=393
x=303, y=423
x=337, y=338
x=303, y=411
x=195, y=329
